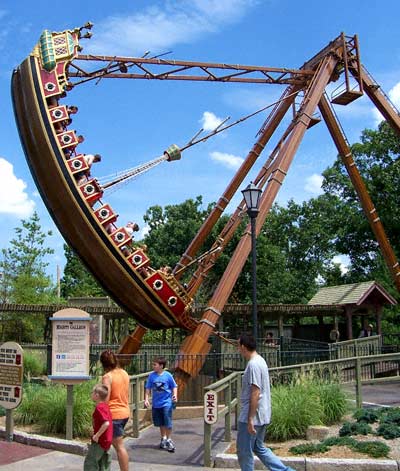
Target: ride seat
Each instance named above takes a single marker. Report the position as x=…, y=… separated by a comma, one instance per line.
x=78, y=164
x=91, y=191
x=138, y=259
x=50, y=84
x=58, y=113
x=120, y=237
x=67, y=139
x=106, y=215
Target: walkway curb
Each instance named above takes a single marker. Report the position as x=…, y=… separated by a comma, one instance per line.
x=221, y=460
x=51, y=443
x=224, y=460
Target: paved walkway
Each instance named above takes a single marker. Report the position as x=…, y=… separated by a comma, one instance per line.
x=145, y=455
x=144, y=452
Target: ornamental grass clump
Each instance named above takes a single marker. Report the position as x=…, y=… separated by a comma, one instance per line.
x=28, y=411
x=33, y=366
x=304, y=402
x=294, y=408
x=45, y=407
x=333, y=401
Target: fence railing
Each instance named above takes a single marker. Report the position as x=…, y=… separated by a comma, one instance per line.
x=356, y=347
x=355, y=370
x=228, y=391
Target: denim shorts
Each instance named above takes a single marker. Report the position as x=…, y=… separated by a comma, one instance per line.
x=118, y=427
x=162, y=417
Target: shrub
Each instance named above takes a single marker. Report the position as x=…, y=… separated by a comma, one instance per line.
x=333, y=401
x=369, y=416
x=357, y=428
x=391, y=416
x=340, y=441
x=294, y=409
x=33, y=365
x=46, y=407
x=2, y=411
x=374, y=449
x=388, y=431
x=309, y=449
x=28, y=411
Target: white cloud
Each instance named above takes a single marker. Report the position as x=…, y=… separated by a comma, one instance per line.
x=314, y=183
x=394, y=95
x=13, y=198
x=228, y=160
x=210, y=121
x=343, y=261
x=143, y=232
x=157, y=29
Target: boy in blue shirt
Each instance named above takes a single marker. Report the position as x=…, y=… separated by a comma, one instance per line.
x=163, y=388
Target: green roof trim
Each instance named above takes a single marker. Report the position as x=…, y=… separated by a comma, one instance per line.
x=355, y=293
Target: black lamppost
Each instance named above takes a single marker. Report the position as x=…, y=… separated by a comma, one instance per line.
x=252, y=196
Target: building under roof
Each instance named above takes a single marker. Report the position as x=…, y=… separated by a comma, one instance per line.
x=357, y=299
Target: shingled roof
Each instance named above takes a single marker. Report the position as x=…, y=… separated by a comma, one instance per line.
x=356, y=293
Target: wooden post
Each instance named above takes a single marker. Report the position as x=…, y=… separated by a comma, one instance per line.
x=378, y=314
x=9, y=425
x=135, y=414
x=207, y=444
x=70, y=411
x=358, y=384
x=280, y=326
x=228, y=425
x=349, y=323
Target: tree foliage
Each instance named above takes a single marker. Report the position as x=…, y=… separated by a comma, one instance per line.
x=377, y=157
x=24, y=278
x=77, y=280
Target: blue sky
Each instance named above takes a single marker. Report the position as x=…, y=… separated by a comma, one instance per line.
x=131, y=122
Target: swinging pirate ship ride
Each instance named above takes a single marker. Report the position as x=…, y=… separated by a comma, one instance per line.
x=156, y=298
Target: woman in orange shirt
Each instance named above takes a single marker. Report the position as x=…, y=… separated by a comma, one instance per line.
x=117, y=381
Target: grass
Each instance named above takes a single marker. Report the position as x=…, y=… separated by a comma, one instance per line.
x=46, y=408
x=33, y=365
x=304, y=402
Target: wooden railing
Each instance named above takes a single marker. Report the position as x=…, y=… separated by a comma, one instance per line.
x=356, y=347
x=353, y=370
x=228, y=391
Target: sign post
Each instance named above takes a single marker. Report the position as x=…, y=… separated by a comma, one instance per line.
x=70, y=354
x=11, y=375
x=210, y=418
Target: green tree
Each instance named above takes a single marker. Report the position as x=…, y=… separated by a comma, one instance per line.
x=77, y=280
x=171, y=229
x=24, y=278
x=377, y=157
x=295, y=249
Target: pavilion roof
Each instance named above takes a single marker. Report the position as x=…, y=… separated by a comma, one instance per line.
x=355, y=293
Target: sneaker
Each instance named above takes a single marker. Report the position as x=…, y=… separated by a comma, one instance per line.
x=163, y=444
x=170, y=446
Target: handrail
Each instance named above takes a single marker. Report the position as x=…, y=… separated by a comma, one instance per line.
x=223, y=385
x=360, y=364
x=136, y=387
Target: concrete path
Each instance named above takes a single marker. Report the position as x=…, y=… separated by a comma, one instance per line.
x=145, y=454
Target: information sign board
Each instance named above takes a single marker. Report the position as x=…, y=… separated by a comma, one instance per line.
x=70, y=345
x=11, y=375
